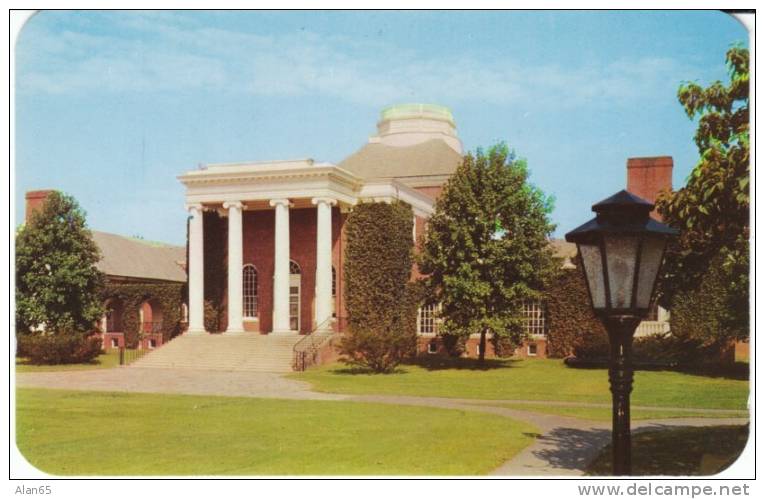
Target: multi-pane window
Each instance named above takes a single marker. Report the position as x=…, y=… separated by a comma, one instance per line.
x=427, y=319
x=533, y=314
x=250, y=290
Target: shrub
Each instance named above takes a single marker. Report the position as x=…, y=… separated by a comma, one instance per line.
x=381, y=302
x=64, y=348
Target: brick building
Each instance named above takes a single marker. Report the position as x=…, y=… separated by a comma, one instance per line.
x=285, y=225
x=143, y=265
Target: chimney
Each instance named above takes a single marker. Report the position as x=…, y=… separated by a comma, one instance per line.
x=35, y=200
x=646, y=177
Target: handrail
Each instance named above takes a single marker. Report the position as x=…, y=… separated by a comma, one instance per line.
x=304, y=351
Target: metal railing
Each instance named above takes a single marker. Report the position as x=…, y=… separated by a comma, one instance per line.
x=306, y=351
x=648, y=328
x=130, y=355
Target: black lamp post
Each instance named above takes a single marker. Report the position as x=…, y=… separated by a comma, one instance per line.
x=621, y=250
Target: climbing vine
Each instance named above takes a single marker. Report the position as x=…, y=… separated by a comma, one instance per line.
x=170, y=296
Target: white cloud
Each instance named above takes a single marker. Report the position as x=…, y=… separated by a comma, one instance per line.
x=166, y=51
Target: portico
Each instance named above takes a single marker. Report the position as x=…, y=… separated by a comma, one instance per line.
x=284, y=230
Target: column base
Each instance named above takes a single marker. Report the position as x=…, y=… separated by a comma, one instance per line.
x=195, y=332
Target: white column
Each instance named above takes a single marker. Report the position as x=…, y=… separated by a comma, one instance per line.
x=281, y=316
x=196, y=269
x=235, y=325
x=323, y=295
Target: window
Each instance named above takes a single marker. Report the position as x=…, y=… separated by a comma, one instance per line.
x=334, y=292
x=184, y=312
x=115, y=343
x=152, y=343
x=294, y=268
x=531, y=349
x=533, y=314
x=427, y=319
x=250, y=290
x=432, y=347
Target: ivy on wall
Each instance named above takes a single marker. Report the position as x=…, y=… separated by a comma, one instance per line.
x=380, y=300
x=216, y=270
x=571, y=323
x=170, y=297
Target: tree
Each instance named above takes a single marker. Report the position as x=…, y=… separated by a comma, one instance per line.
x=712, y=209
x=382, y=311
x=57, y=282
x=486, y=249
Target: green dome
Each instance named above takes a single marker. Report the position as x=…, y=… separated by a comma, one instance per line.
x=409, y=111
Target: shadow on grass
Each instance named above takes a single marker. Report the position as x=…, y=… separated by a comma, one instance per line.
x=27, y=362
x=353, y=371
x=433, y=363
x=679, y=451
x=437, y=363
x=737, y=371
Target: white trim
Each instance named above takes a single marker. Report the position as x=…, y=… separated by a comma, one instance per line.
x=250, y=182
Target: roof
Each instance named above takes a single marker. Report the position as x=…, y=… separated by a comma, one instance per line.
x=375, y=160
x=129, y=257
x=562, y=249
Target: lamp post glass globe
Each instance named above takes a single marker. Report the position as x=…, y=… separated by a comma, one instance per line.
x=621, y=251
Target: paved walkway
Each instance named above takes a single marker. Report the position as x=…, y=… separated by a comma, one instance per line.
x=181, y=381
x=566, y=445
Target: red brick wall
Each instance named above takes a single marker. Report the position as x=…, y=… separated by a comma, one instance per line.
x=646, y=177
x=258, y=240
x=433, y=191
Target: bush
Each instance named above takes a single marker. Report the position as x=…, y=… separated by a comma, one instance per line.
x=64, y=348
x=381, y=302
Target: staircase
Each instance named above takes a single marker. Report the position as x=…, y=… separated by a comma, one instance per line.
x=222, y=352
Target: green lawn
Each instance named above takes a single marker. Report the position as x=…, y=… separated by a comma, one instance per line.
x=682, y=451
x=97, y=433
x=532, y=379
x=604, y=413
x=105, y=360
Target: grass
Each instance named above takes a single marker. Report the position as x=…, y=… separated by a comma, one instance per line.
x=531, y=379
x=680, y=452
x=99, y=433
x=604, y=413
x=104, y=361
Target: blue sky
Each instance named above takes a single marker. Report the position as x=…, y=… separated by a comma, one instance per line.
x=112, y=106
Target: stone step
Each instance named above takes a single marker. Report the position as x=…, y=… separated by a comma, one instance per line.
x=245, y=352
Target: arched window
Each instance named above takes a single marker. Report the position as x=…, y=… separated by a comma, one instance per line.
x=250, y=290
x=294, y=268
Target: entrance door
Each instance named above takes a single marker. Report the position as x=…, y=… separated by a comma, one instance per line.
x=294, y=296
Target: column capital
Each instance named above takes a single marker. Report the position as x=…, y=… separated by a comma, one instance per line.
x=233, y=204
x=194, y=207
x=328, y=201
x=280, y=202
